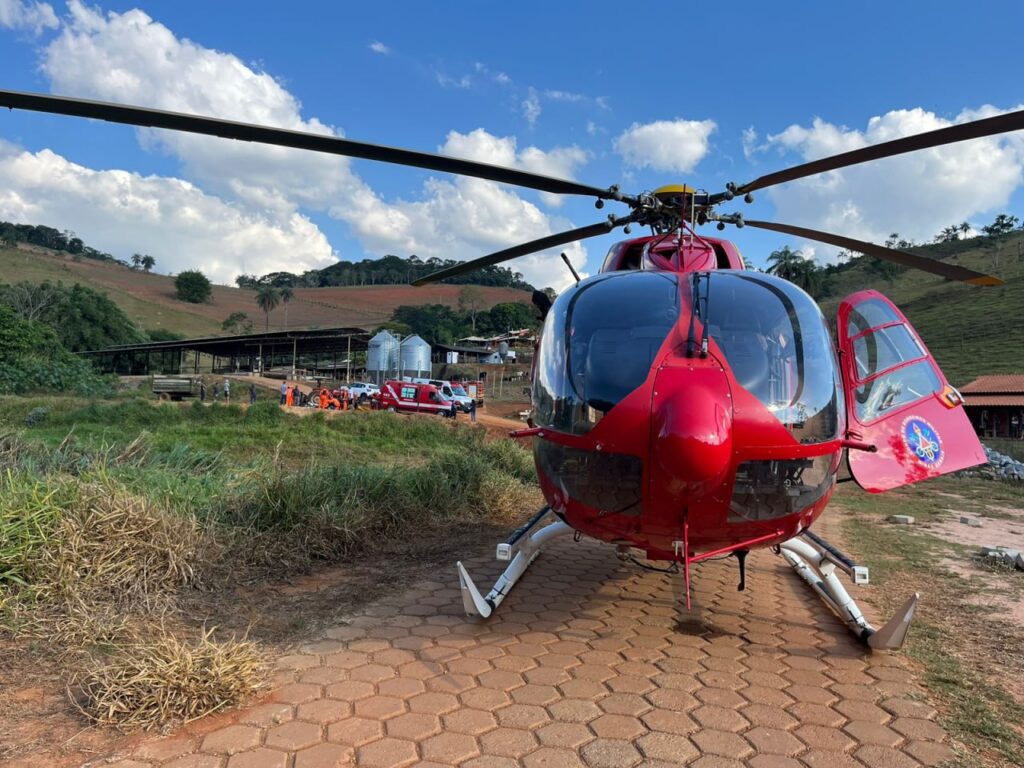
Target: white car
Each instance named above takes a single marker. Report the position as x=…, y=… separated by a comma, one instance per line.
x=362, y=390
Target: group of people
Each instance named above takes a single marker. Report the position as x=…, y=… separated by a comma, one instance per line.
x=224, y=390
x=325, y=399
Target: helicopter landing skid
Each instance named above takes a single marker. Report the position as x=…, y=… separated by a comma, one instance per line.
x=519, y=550
x=816, y=561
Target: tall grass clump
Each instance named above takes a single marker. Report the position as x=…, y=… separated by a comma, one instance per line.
x=338, y=510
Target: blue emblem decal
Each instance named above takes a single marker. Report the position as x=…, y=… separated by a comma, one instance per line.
x=923, y=441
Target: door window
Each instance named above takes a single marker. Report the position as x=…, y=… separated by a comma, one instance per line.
x=408, y=393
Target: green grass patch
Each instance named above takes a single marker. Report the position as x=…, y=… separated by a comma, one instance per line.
x=949, y=635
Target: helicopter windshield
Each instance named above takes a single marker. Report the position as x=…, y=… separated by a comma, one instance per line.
x=778, y=346
x=600, y=338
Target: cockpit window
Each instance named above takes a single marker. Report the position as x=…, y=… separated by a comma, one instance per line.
x=778, y=347
x=600, y=339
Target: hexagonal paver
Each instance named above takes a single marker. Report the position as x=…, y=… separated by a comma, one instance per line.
x=773, y=741
x=449, y=748
x=669, y=748
x=570, y=735
x=821, y=737
x=234, y=738
x=617, y=727
x=471, y=721
x=350, y=690
x=521, y=716
x=259, y=758
x=508, y=742
x=720, y=718
x=610, y=753
x=414, y=726
x=323, y=711
x=433, y=703
x=722, y=743
x=324, y=756
x=294, y=735
x=379, y=707
x=355, y=731
x=872, y=733
x=387, y=753
x=574, y=711
x=552, y=757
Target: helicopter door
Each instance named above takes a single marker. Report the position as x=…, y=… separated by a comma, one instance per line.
x=897, y=400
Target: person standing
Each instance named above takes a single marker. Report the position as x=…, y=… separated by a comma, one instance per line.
x=216, y=392
x=289, y=397
x=227, y=390
x=284, y=392
x=252, y=394
x=472, y=410
x=202, y=391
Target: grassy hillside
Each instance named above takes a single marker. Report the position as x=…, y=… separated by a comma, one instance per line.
x=149, y=299
x=970, y=330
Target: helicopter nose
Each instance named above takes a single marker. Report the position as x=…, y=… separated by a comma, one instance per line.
x=692, y=429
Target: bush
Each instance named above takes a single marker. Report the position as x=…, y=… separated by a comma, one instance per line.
x=193, y=286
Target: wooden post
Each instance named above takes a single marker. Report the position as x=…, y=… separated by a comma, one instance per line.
x=295, y=346
x=348, y=363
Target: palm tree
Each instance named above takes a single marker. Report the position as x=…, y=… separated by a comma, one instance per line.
x=267, y=298
x=286, y=294
x=136, y=260
x=148, y=262
x=791, y=265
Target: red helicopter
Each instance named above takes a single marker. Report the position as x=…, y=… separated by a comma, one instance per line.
x=685, y=407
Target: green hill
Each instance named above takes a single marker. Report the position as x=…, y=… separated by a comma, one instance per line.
x=970, y=330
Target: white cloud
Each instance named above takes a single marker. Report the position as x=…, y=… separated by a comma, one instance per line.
x=531, y=106
x=567, y=96
x=132, y=59
x=479, y=145
x=31, y=16
x=171, y=219
x=378, y=47
x=666, y=145
x=916, y=194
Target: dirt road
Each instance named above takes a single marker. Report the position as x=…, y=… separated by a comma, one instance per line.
x=588, y=663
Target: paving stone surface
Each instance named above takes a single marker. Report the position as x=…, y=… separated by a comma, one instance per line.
x=587, y=663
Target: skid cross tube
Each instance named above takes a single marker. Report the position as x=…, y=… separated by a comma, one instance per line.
x=526, y=543
x=816, y=565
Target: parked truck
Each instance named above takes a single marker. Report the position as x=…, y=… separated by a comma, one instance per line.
x=173, y=387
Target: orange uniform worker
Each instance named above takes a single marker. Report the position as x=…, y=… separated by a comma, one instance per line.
x=324, y=398
x=289, y=398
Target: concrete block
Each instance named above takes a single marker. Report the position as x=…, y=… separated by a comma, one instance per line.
x=986, y=551
x=901, y=519
x=1019, y=563
x=971, y=521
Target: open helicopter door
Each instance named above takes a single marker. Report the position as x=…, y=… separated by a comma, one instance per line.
x=907, y=421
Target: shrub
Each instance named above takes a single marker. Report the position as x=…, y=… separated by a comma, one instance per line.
x=193, y=286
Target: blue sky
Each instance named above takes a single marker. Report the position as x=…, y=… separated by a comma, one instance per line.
x=640, y=95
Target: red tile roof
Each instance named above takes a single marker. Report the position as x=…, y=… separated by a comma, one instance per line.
x=988, y=401
x=1006, y=383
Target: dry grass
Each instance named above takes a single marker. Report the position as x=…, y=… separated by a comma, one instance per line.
x=152, y=680
x=120, y=547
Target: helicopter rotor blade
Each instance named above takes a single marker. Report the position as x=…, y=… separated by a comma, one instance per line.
x=228, y=129
x=976, y=129
x=935, y=267
x=541, y=244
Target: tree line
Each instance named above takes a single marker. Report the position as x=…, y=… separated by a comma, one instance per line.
x=47, y=237
x=818, y=280
x=441, y=324
x=387, y=270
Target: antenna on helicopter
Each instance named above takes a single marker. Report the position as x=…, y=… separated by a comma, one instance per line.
x=568, y=263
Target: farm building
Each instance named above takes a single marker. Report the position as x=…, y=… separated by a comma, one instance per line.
x=995, y=405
